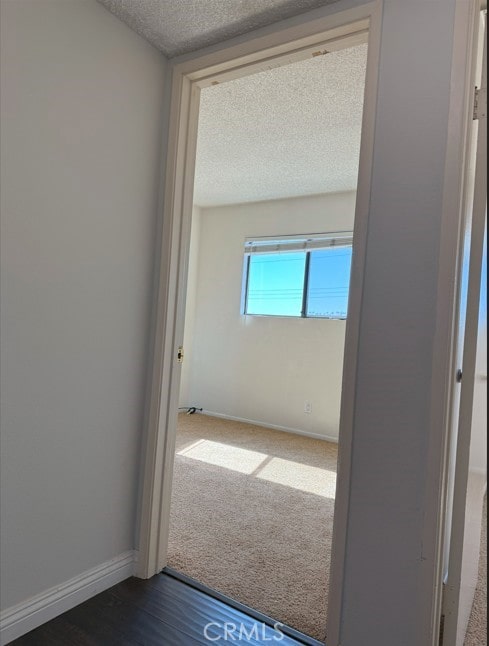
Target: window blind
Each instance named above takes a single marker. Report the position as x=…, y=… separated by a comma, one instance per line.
x=298, y=243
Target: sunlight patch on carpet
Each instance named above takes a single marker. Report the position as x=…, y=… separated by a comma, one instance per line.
x=321, y=482
x=224, y=455
x=289, y=473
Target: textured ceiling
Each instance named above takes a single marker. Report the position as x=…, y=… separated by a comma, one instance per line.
x=293, y=130
x=181, y=26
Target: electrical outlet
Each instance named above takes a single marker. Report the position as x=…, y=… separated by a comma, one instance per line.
x=307, y=407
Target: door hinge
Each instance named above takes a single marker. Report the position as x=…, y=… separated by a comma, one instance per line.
x=480, y=103
x=180, y=354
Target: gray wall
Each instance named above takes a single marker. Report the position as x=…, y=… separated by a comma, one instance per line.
x=82, y=98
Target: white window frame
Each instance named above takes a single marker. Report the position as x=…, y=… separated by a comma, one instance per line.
x=306, y=243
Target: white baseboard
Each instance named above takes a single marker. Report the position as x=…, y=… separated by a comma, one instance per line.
x=275, y=427
x=30, y=614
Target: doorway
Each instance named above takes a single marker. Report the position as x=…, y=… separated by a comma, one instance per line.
x=334, y=33
x=160, y=445
x=266, y=312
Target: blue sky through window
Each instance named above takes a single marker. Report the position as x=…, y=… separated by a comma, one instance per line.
x=276, y=283
x=329, y=279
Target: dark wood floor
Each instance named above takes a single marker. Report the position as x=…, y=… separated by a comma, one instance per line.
x=161, y=611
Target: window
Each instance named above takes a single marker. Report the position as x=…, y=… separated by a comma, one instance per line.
x=305, y=276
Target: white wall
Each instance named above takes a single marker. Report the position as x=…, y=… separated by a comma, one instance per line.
x=262, y=368
x=82, y=97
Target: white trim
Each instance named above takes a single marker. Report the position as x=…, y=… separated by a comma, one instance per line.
x=352, y=334
x=274, y=427
x=448, y=306
x=30, y=614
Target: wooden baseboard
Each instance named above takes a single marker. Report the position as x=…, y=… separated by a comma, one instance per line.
x=33, y=612
x=275, y=427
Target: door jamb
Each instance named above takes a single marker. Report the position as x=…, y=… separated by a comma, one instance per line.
x=444, y=356
x=461, y=443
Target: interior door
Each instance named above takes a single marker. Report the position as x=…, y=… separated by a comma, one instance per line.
x=468, y=468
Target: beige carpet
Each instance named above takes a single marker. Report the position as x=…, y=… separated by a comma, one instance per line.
x=252, y=517
x=477, y=628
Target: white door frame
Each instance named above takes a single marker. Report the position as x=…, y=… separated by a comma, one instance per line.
x=475, y=206
x=335, y=31
x=445, y=363
x=299, y=38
